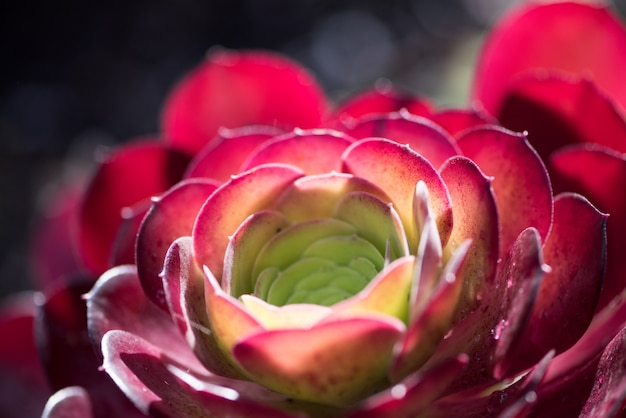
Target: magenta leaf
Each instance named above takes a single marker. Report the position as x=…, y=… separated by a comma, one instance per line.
x=568, y=295
x=572, y=374
x=576, y=38
x=508, y=297
x=609, y=390
x=382, y=99
x=414, y=394
x=557, y=110
x=237, y=88
x=514, y=400
x=128, y=176
x=599, y=174
x=421, y=134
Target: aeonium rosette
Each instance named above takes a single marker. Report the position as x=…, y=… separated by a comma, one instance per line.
x=343, y=276
x=386, y=265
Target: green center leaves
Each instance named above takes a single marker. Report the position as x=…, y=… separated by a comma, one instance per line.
x=327, y=271
x=320, y=261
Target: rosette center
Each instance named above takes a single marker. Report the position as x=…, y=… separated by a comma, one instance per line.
x=321, y=261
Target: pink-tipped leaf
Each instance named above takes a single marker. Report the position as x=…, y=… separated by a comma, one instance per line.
x=396, y=169
x=172, y=215
x=520, y=181
x=231, y=204
x=313, y=151
x=475, y=218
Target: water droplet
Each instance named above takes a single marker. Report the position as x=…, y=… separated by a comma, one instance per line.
x=398, y=391
x=126, y=212
x=531, y=397
x=509, y=283
x=497, y=332
x=160, y=297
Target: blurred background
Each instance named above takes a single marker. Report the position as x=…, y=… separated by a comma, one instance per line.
x=76, y=74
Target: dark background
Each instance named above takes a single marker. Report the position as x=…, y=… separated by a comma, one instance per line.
x=78, y=73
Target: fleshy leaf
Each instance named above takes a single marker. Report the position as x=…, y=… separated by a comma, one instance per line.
x=575, y=37
x=228, y=317
x=475, y=218
x=330, y=363
x=522, y=272
x=60, y=324
x=127, y=176
x=558, y=111
x=227, y=208
x=331, y=269
x=520, y=182
x=567, y=299
x=172, y=215
x=289, y=245
x=62, y=337
x=317, y=196
x=225, y=155
x=478, y=335
x=375, y=220
x=238, y=88
x=69, y=402
x=117, y=301
x=123, y=247
x=422, y=135
x=385, y=294
x=599, y=174
x=382, y=99
x=457, y=121
x=572, y=374
x=314, y=151
x=609, y=391
x=512, y=400
x=184, y=285
x=159, y=386
x=429, y=252
x=427, y=327
x=243, y=248
x=413, y=394
x=297, y=315
x=396, y=169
